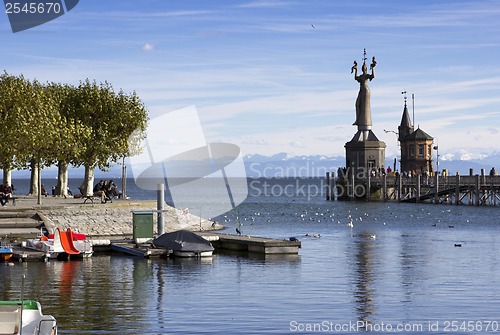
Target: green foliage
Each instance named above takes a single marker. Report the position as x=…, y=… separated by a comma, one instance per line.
x=85, y=125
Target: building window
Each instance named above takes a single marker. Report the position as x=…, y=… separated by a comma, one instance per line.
x=429, y=151
x=411, y=150
x=371, y=164
x=421, y=150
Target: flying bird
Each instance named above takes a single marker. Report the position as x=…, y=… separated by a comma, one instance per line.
x=312, y=25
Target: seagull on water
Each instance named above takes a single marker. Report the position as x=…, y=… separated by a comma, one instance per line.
x=350, y=225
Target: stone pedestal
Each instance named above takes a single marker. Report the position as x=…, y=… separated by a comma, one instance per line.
x=363, y=156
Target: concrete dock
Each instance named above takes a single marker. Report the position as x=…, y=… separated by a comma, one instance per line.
x=111, y=225
x=98, y=221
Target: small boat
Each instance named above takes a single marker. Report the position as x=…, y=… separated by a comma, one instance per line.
x=6, y=252
x=46, y=245
x=62, y=242
x=184, y=243
x=25, y=317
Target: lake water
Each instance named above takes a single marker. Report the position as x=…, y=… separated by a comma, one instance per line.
x=402, y=268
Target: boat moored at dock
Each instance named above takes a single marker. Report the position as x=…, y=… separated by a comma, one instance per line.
x=6, y=252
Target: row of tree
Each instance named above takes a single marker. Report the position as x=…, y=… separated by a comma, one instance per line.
x=88, y=125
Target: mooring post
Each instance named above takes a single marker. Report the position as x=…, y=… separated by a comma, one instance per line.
x=471, y=186
x=436, y=188
x=399, y=186
x=333, y=186
x=160, y=200
x=384, y=187
x=457, y=189
x=327, y=186
x=417, y=196
x=493, y=190
x=476, y=191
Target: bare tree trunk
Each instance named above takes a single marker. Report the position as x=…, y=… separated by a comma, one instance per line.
x=88, y=181
x=62, y=179
x=34, y=178
x=7, y=177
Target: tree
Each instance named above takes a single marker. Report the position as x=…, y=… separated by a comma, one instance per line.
x=37, y=131
x=70, y=130
x=109, y=120
x=12, y=106
x=87, y=125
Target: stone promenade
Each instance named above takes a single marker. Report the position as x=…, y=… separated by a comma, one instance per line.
x=106, y=221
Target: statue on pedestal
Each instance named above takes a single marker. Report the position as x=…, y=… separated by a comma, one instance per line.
x=363, y=112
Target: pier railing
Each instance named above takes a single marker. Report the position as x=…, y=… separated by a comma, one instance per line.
x=466, y=190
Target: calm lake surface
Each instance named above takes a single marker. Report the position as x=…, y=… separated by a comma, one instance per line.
x=400, y=269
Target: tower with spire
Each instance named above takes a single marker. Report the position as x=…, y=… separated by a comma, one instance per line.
x=416, y=145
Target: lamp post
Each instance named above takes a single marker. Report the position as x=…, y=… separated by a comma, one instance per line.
x=397, y=140
x=437, y=158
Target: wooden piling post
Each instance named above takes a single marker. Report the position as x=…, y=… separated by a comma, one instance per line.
x=476, y=191
x=417, y=196
x=493, y=191
x=384, y=189
x=327, y=186
x=436, y=188
x=457, y=189
x=333, y=186
x=400, y=186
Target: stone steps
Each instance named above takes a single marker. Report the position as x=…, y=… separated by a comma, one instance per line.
x=19, y=224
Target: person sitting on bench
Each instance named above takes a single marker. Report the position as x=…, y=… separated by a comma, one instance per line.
x=112, y=190
x=5, y=193
x=100, y=190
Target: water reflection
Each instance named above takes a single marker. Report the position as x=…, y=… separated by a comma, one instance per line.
x=67, y=275
x=410, y=272
x=364, y=280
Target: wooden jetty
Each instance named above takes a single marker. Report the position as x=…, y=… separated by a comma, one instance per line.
x=251, y=244
x=220, y=241
x=478, y=190
x=22, y=254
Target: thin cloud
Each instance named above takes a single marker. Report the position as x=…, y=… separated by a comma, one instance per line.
x=148, y=47
x=264, y=4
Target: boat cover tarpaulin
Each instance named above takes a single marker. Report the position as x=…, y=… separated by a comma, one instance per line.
x=183, y=240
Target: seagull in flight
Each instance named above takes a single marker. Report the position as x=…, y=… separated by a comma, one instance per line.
x=312, y=25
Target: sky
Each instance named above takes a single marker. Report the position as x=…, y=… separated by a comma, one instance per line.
x=274, y=76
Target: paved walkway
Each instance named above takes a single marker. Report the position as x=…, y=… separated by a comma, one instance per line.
x=110, y=220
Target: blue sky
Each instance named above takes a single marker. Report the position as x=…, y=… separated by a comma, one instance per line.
x=262, y=77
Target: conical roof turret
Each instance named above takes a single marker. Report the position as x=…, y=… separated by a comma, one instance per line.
x=405, y=128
